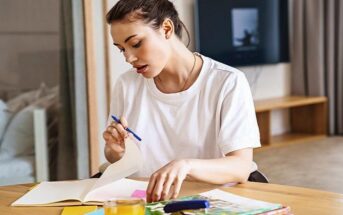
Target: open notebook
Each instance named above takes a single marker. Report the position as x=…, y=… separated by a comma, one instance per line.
x=94, y=191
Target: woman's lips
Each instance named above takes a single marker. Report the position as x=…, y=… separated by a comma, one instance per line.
x=142, y=69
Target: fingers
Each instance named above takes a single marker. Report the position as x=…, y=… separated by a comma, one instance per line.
x=116, y=143
x=120, y=129
x=166, y=188
x=116, y=136
x=117, y=131
x=162, y=187
x=158, y=188
x=123, y=122
x=151, y=187
x=167, y=181
x=176, y=188
x=107, y=136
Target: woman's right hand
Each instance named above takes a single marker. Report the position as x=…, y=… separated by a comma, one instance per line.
x=114, y=136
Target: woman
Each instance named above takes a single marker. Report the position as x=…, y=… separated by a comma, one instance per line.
x=195, y=115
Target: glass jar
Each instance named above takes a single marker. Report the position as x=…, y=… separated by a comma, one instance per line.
x=125, y=206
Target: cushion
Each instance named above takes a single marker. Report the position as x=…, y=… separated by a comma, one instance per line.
x=4, y=118
x=19, y=136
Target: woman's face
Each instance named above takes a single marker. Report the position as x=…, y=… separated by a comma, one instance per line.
x=145, y=48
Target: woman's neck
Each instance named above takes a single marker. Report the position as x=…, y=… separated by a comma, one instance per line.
x=180, y=72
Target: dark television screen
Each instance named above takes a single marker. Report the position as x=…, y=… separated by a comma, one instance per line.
x=243, y=32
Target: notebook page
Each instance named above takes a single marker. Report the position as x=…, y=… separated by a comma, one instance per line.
x=120, y=188
x=130, y=163
x=51, y=192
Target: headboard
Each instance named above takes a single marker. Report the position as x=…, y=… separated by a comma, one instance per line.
x=7, y=94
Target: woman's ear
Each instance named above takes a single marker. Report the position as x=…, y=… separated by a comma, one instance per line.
x=167, y=28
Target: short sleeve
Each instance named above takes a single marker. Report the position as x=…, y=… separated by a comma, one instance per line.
x=117, y=100
x=238, y=125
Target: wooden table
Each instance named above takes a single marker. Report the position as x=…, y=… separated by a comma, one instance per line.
x=301, y=200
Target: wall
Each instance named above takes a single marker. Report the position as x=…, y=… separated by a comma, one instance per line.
x=269, y=81
x=29, y=43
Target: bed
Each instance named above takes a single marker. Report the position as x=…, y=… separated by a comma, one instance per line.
x=25, y=139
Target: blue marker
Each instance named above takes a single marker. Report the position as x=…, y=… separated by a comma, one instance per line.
x=186, y=205
x=127, y=129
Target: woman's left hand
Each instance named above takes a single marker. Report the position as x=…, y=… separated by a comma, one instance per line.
x=166, y=182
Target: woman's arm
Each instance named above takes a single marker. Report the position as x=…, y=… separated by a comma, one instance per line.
x=235, y=167
x=167, y=181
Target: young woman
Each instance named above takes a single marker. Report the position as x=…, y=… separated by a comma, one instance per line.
x=195, y=115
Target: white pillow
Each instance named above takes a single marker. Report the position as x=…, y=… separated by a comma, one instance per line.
x=19, y=136
x=4, y=118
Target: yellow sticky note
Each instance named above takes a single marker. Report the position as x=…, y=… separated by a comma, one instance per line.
x=78, y=210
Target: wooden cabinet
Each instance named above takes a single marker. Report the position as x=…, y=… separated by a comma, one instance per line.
x=308, y=119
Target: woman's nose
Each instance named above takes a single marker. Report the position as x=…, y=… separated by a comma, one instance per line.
x=130, y=58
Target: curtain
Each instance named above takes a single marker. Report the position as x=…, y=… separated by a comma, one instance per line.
x=66, y=154
x=317, y=54
x=72, y=154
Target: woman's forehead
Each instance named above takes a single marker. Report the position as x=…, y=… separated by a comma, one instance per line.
x=120, y=30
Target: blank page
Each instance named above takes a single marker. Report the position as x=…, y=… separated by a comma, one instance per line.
x=51, y=192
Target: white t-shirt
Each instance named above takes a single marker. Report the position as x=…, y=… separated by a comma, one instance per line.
x=213, y=117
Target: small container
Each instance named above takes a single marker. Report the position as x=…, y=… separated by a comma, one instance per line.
x=125, y=206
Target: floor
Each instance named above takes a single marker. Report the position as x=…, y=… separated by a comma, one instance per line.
x=316, y=164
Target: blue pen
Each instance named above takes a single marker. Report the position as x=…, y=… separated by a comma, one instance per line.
x=127, y=129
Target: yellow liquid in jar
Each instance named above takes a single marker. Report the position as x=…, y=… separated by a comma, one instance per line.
x=129, y=209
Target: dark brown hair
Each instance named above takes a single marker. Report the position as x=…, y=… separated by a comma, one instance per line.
x=153, y=12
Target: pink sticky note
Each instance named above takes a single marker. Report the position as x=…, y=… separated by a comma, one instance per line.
x=139, y=194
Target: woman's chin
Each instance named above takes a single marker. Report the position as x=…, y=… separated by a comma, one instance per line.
x=148, y=75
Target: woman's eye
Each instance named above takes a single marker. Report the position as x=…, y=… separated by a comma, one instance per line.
x=137, y=45
x=121, y=50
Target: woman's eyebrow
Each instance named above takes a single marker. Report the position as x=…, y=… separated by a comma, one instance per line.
x=126, y=40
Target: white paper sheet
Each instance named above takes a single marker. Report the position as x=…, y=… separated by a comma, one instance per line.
x=130, y=163
x=238, y=200
x=120, y=188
